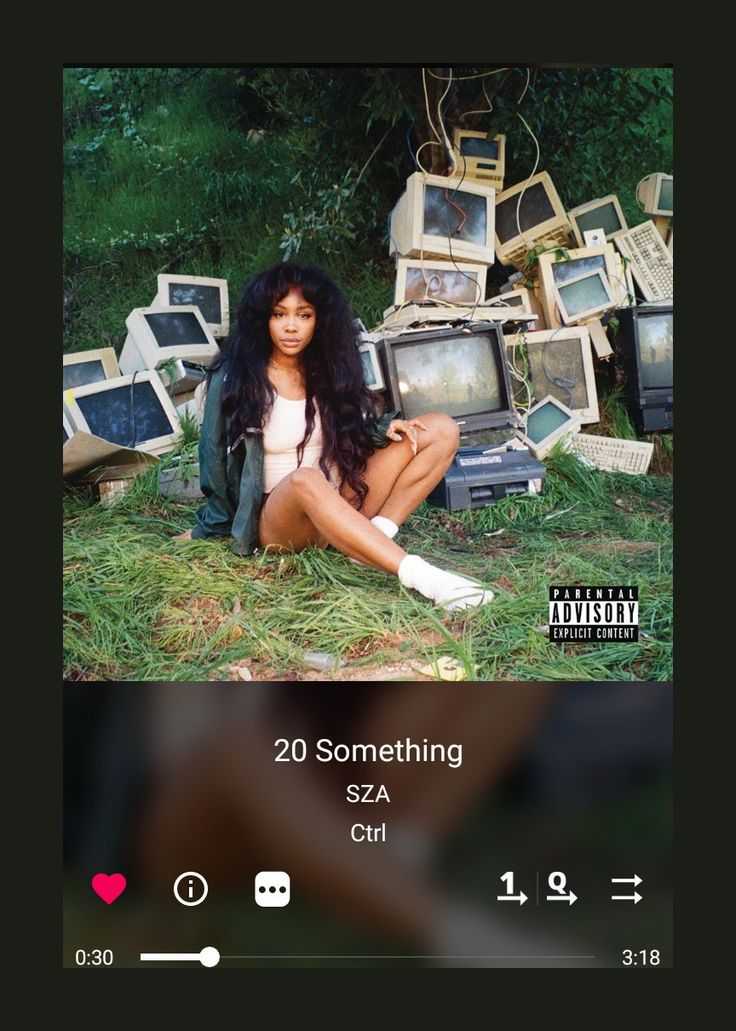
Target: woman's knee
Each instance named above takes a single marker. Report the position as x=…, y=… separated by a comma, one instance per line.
x=444, y=430
x=307, y=484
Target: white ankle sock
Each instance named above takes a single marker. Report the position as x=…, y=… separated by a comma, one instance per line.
x=449, y=590
x=387, y=526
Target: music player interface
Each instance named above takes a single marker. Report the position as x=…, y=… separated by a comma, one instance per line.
x=399, y=824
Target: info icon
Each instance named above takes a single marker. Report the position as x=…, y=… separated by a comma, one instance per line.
x=190, y=888
x=273, y=888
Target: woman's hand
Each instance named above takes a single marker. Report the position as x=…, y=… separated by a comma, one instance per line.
x=186, y=536
x=408, y=426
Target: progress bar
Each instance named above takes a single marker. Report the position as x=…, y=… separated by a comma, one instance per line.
x=208, y=957
x=404, y=956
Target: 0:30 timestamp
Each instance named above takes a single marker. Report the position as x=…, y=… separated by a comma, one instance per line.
x=93, y=957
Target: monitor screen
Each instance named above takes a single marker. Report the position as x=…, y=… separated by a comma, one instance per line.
x=475, y=147
x=604, y=217
x=458, y=375
x=81, y=373
x=664, y=201
x=124, y=413
x=65, y=435
x=369, y=375
x=456, y=287
x=455, y=213
x=544, y=421
x=173, y=329
x=207, y=299
x=583, y=295
x=557, y=368
x=564, y=270
x=535, y=208
x=655, y=332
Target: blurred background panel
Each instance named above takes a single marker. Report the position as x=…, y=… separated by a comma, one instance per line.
x=515, y=793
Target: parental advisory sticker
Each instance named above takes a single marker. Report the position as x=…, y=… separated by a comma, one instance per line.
x=593, y=614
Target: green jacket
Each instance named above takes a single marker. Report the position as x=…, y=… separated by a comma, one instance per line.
x=232, y=480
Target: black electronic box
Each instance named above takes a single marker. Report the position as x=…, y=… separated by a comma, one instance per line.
x=479, y=476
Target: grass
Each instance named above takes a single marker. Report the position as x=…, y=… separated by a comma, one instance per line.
x=140, y=606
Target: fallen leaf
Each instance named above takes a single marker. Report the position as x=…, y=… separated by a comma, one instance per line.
x=447, y=667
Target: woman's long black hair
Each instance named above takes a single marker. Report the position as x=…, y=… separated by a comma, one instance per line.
x=331, y=363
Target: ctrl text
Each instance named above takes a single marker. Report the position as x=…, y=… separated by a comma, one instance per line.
x=364, y=832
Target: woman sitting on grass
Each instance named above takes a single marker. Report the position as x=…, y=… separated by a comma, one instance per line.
x=290, y=449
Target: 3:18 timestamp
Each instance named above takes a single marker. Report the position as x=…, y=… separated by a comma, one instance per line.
x=93, y=957
x=640, y=957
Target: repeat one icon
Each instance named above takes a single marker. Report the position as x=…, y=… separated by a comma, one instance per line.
x=272, y=888
x=190, y=888
x=509, y=895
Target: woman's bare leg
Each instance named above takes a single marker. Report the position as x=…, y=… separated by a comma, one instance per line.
x=305, y=509
x=398, y=481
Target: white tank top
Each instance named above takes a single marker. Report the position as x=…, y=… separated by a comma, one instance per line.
x=282, y=434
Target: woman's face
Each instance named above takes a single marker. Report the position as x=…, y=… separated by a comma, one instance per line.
x=292, y=325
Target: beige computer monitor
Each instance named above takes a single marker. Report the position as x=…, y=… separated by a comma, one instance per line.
x=83, y=367
x=210, y=295
x=560, y=362
x=110, y=415
x=522, y=298
x=584, y=297
x=541, y=218
x=478, y=157
x=372, y=373
x=560, y=421
x=444, y=217
x=560, y=264
x=158, y=335
x=604, y=213
x=655, y=194
x=433, y=280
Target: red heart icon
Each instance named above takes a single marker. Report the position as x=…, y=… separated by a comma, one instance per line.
x=108, y=886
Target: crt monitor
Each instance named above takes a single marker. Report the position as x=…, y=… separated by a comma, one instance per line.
x=444, y=216
x=527, y=213
x=372, y=373
x=131, y=411
x=584, y=296
x=559, y=265
x=435, y=280
x=604, y=213
x=560, y=363
x=89, y=367
x=644, y=350
x=546, y=423
x=158, y=335
x=208, y=294
x=479, y=157
x=459, y=371
x=655, y=194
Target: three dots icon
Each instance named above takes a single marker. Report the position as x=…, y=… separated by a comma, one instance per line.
x=272, y=888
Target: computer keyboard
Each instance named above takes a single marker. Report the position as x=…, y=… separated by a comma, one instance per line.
x=613, y=454
x=651, y=262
